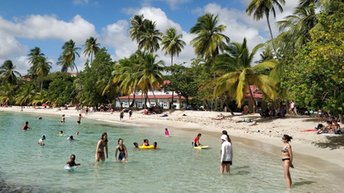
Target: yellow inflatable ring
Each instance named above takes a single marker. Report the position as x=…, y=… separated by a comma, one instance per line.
x=146, y=147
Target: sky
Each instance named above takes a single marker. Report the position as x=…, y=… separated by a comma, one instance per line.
x=48, y=24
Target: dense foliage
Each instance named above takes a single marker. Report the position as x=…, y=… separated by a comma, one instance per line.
x=304, y=63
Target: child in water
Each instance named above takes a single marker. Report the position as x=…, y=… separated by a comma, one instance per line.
x=167, y=133
x=71, y=161
x=41, y=140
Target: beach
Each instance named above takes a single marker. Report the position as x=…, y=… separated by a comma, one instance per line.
x=252, y=127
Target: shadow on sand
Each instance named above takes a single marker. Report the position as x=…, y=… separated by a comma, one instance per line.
x=334, y=142
x=303, y=183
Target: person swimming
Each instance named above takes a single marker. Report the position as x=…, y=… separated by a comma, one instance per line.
x=26, y=126
x=71, y=162
x=71, y=138
x=41, y=140
x=61, y=133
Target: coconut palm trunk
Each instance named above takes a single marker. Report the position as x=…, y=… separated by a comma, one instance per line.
x=252, y=99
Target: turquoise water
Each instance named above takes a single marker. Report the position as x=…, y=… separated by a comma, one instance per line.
x=175, y=167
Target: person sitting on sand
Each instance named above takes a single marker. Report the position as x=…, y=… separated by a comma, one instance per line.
x=41, y=140
x=326, y=129
x=71, y=161
x=196, y=140
x=26, y=126
x=122, y=149
x=219, y=117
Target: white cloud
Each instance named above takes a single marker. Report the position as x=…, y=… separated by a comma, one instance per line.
x=40, y=27
x=116, y=35
x=172, y=3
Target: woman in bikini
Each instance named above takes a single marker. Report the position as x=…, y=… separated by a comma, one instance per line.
x=123, y=153
x=102, y=148
x=287, y=158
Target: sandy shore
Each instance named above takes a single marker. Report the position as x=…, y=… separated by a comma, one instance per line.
x=267, y=131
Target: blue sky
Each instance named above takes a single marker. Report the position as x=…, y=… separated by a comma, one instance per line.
x=49, y=23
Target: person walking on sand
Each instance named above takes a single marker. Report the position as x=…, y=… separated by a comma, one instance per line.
x=226, y=154
x=79, y=119
x=130, y=113
x=287, y=159
x=121, y=115
x=102, y=148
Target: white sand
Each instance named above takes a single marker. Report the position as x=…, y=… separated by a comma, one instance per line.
x=269, y=131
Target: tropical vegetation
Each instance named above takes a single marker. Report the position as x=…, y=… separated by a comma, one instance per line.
x=303, y=63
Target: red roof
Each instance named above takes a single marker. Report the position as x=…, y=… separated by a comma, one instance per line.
x=152, y=97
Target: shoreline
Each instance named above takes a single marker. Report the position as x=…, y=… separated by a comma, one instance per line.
x=266, y=132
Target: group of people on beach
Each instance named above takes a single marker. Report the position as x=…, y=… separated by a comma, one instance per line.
x=226, y=155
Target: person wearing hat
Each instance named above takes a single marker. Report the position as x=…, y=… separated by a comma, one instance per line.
x=226, y=154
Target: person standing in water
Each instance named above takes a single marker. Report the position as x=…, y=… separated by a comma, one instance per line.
x=41, y=140
x=79, y=119
x=63, y=119
x=123, y=152
x=102, y=148
x=167, y=133
x=287, y=158
x=226, y=154
x=26, y=126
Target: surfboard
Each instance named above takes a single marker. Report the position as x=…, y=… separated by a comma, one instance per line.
x=201, y=147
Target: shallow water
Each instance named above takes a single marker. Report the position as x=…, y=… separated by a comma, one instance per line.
x=175, y=167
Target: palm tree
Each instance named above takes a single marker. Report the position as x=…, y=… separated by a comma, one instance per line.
x=149, y=73
x=91, y=48
x=172, y=43
x=145, y=33
x=7, y=93
x=8, y=72
x=241, y=75
x=261, y=8
x=299, y=24
x=26, y=94
x=67, y=59
x=209, y=41
x=34, y=55
x=136, y=27
x=41, y=68
x=150, y=37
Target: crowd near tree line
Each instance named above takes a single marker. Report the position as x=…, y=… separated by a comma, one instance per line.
x=303, y=63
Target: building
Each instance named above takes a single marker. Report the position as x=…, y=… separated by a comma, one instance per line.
x=162, y=98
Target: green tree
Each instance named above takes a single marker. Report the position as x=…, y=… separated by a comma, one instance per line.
x=94, y=79
x=68, y=56
x=149, y=73
x=61, y=90
x=145, y=33
x=241, y=75
x=210, y=40
x=314, y=77
x=91, y=48
x=8, y=72
x=172, y=43
x=136, y=27
x=261, y=8
x=26, y=94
